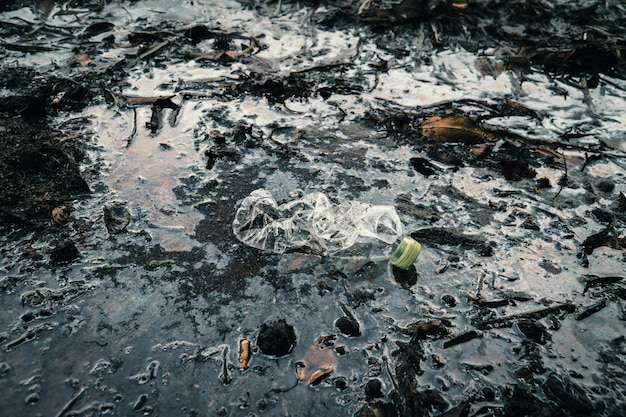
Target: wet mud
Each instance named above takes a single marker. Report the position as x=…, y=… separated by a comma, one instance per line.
x=130, y=132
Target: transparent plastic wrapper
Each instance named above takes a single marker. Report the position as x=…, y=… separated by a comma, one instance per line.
x=313, y=224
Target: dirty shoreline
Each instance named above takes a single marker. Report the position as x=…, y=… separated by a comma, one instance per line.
x=131, y=131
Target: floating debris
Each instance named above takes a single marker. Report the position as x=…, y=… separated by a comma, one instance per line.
x=318, y=362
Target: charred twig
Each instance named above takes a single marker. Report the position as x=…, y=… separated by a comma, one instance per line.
x=592, y=309
x=390, y=374
x=587, y=97
x=594, y=281
x=508, y=321
x=153, y=50
x=347, y=311
x=462, y=338
x=30, y=334
x=563, y=179
x=481, y=302
x=322, y=67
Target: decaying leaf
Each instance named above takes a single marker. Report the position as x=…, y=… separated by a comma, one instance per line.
x=318, y=362
x=489, y=66
x=244, y=353
x=61, y=214
x=410, y=10
x=607, y=238
x=97, y=28
x=423, y=329
x=459, y=129
x=116, y=217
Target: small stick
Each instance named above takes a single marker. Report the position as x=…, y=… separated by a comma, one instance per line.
x=587, y=96
x=462, y=338
x=133, y=133
x=71, y=402
x=507, y=321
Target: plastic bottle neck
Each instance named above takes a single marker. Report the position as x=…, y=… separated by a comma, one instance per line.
x=406, y=253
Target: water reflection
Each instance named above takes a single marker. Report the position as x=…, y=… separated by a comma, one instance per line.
x=146, y=168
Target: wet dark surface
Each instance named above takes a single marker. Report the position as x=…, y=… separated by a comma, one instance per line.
x=130, y=132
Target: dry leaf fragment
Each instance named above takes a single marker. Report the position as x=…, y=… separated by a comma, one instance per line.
x=138, y=101
x=61, y=214
x=62, y=139
x=244, y=353
x=319, y=375
x=327, y=340
x=83, y=58
x=480, y=149
x=455, y=129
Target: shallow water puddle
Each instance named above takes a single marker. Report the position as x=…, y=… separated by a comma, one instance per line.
x=158, y=320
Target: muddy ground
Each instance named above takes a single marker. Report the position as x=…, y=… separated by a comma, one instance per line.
x=131, y=130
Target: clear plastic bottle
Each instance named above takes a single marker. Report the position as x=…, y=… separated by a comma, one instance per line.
x=312, y=223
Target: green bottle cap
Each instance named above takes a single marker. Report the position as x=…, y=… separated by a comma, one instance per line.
x=407, y=252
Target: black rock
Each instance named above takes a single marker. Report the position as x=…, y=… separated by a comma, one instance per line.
x=602, y=216
x=65, y=253
x=373, y=389
x=568, y=396
x=276, y=338
x=534, y=331
x=405, y=277
x=341, y=383
x=348, y=326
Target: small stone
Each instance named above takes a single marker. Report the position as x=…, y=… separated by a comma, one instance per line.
x=449, y=300
x=606, y=186
x=32, y=399
x=533, y=330
x=543, y=183
x=116, y=217
x=341, y=383
x=61, y=214
x=488, y=393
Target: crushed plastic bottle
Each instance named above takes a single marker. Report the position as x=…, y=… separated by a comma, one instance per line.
x=313, y=224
